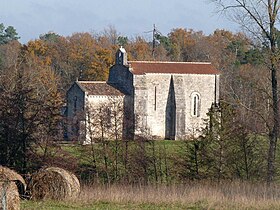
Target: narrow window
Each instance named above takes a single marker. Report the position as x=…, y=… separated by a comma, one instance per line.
x=155, y=98
x=75, y=104
x=195, y=105
x=108, y=117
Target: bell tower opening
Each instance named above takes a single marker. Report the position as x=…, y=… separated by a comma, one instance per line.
x=121, y=57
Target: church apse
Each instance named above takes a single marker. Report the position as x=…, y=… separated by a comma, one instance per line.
x=170, y=113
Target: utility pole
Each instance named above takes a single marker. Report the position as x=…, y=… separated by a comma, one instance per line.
x=154, y=41
x=155, y=32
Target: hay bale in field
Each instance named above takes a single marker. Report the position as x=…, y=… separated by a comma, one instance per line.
x=9, y=195
x=53, y=183
x=11, y=175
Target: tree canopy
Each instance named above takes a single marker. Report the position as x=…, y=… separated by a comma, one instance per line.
x=7, y=34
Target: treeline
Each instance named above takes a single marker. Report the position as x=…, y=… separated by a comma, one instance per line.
x=88, y=56
x=34, y=78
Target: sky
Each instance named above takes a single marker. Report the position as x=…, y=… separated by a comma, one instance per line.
x=130, y=18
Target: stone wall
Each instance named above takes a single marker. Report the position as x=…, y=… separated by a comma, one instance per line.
x=104, y=118
x=121, y=78
x=204, y=85
x=141, y=99
x=75, y=108
x=75, y=100
x=84, y=112
x=153, y=103
x=157, y=105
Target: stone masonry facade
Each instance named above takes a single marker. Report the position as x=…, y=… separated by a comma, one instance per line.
x=164, y=100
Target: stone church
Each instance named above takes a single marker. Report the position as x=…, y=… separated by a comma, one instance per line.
x=163, y=100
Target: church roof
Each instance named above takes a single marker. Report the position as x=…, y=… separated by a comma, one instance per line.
x=156, y=67
x=99, y=88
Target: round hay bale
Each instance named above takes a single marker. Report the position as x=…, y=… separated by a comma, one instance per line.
x=9, y=195
x=73, y=181
x=11, y=175
x=53, y=183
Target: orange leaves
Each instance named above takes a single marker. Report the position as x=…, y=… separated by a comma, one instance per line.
x=182, y=43
x=182, y=37
x=89, y=56
x=91, y=60
x=81, y=46
x=37, y=47
x=140, y=50
x=99, y=65
x=37, y=50
x=78, y=56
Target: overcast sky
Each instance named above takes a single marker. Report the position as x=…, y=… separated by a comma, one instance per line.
x=130, y=17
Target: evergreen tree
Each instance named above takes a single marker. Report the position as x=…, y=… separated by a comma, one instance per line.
x=7, y=34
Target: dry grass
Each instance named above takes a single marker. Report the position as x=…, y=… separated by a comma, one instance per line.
x=227, y=195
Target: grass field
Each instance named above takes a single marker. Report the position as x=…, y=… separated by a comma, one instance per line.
x=170, y=146
x=160, y=194
x=199, y=195
x=135, y=158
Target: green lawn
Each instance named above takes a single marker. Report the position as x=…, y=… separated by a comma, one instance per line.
x=170, y=145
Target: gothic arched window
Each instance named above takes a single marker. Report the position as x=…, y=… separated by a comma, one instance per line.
x=195, y=105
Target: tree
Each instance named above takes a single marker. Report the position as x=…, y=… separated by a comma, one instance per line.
x=116, y=130
x=260, y=19
x=139, y=49
x=7, y=34
x=122, y=41
x=111, y=36
x=30, y=112
x=50, y=37
x=181, y=44
x=8, y=55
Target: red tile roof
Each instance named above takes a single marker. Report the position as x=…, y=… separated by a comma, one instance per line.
x=99, y=88
x=143, y=67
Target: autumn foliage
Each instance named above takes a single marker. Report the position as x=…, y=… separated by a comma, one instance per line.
x=34, y=78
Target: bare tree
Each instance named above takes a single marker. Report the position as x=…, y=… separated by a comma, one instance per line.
x=260, y=19
x=90, y=129
x=116, y=128
x=104, y=122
